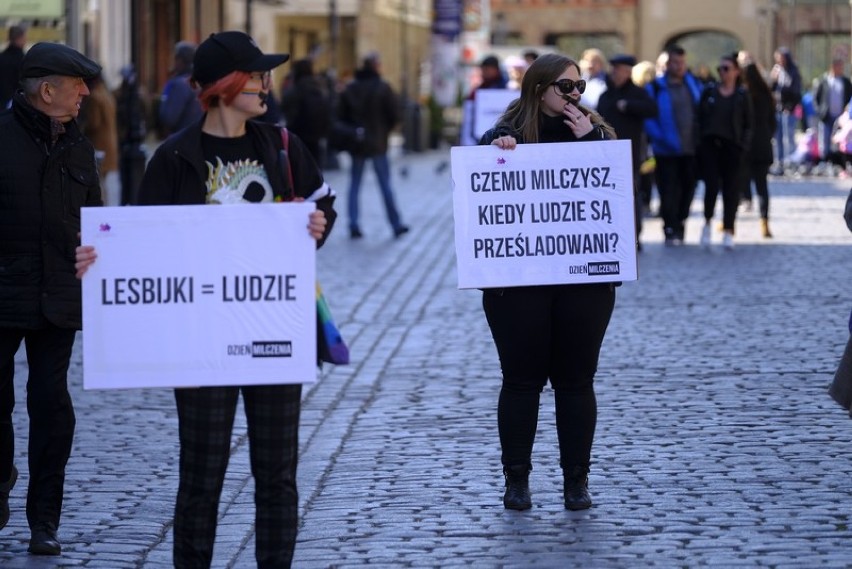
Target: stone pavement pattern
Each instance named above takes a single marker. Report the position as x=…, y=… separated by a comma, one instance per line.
x=717, y=445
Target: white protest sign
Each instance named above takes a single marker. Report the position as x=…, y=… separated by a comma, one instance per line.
x=466, y=136
x=489, y=105
x=186, y=296
x=555, y=213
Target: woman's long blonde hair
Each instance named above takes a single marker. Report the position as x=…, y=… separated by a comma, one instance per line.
x=522, y=114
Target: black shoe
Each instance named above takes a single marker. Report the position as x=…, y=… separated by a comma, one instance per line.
x=400, y=231
x=5, y=488
x=355, y=233
x=576, y=489
x=43, y=540
x=517, y=496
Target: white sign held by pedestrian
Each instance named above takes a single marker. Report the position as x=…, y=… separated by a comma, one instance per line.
x=555, y=213
x=489, y=105
x=190, y=296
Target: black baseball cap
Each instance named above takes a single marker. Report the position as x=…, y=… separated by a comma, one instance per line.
x=226, y=52
x=46, y=58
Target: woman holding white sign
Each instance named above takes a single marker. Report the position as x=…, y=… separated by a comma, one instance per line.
x=228, y=159
x=548, y=332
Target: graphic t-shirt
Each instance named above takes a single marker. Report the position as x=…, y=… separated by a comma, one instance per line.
x=235, y=173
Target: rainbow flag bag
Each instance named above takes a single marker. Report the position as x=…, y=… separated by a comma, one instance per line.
x=330, y=345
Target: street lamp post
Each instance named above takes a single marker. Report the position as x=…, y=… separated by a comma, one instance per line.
x=403, y=14
x=334, y=33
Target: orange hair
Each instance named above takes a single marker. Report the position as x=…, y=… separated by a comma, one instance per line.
x=225, y=90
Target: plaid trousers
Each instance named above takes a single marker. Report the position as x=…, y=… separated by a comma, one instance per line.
x=206, y=419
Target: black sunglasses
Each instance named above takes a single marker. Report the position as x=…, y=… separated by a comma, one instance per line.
x=723, y=68
x=567, y=86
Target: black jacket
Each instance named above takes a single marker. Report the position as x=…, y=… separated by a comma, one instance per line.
x=10, y=72
x=765, y=123
x=551, y=129
x=742, y=120
x=176, y=174
x=42, y=189
x=629, y=124
x=369, y=102
x=307, y=109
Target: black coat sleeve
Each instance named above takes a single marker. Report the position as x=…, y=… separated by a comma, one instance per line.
x=308, y=182
x=157, y=187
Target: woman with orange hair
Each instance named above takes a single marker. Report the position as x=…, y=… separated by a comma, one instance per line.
x=226, y=158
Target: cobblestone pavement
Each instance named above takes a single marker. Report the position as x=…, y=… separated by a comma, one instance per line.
x=717, y=444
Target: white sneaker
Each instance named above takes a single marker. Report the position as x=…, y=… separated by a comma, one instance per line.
x=705, y=235
x=728, y=241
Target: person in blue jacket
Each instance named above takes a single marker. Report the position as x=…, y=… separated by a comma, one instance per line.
x=673, y=137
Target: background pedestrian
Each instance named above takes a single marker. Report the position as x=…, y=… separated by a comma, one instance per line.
x=626, y=106
x=307, y=107
x=98, y=120
x=786, y=83
x=673, y=137
x=759, y=157
x=833, y=91
x=368, y=102
x=725, y=130
x=10, y=64
x=179, y=106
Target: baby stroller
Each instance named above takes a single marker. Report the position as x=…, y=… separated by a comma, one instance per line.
x=806, y=156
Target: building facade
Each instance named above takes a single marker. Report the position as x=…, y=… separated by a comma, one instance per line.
x=815, y=30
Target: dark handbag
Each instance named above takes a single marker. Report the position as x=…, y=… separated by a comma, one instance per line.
x=841, y=388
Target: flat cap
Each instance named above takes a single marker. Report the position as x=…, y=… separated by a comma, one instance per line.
x=622, y=59
x=46, y=58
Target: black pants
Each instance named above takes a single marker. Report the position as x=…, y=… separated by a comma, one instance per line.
x=50, y=411
x=722, y=165
x=555, y=333
x=676, y=186
x=757, y=172
x=206, y=419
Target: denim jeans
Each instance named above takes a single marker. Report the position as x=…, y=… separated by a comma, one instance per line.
x=785, y=135
x=826, y=129
x=381, y=165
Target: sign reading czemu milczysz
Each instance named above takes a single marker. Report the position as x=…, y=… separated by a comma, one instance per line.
x=199, y=295
x=544, y=214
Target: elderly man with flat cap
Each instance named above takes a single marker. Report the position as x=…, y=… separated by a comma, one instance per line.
x=47, y=173
x=625, y=106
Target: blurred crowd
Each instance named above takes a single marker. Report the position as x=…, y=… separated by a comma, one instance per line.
x=725, y=130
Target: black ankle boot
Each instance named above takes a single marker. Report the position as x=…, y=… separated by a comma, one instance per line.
x=517, y=496
x=576, y=489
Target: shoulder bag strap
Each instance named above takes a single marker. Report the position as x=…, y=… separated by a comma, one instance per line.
x=284, y=164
